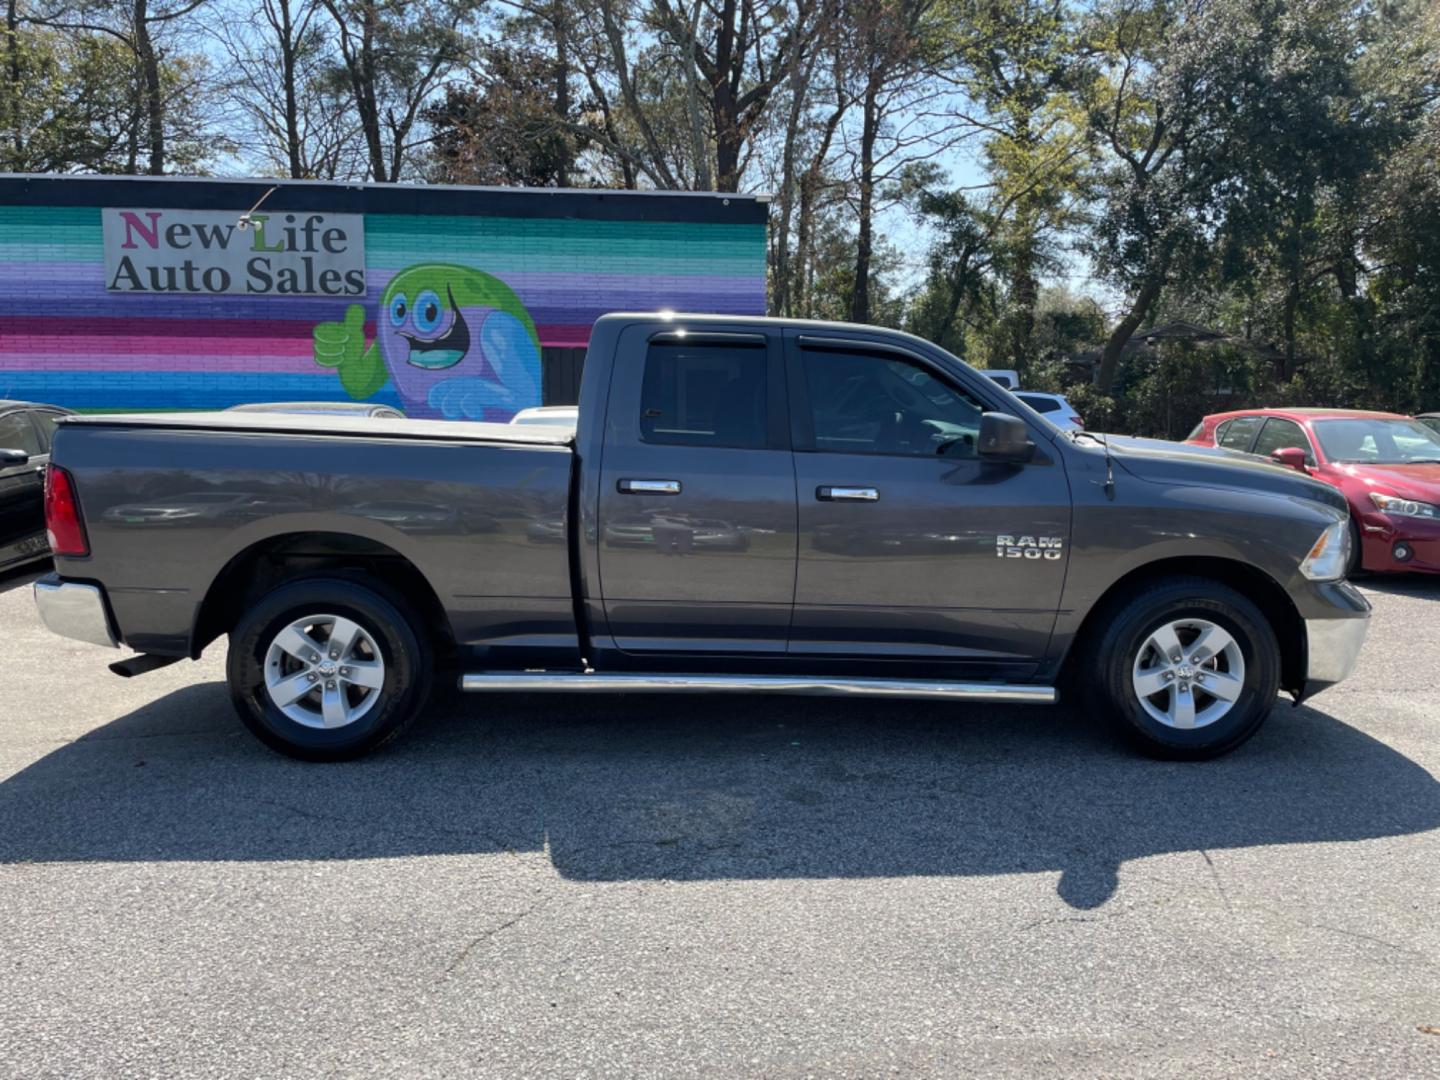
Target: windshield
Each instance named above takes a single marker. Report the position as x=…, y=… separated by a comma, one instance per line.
x=1377, y=442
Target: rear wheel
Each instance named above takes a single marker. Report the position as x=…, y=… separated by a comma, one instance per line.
x=326, y=669
x=1188, y=668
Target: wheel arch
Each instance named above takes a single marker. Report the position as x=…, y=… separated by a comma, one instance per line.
x=285, y=557
x=1263, y=590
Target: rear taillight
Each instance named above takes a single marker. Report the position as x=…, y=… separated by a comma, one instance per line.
x=1077, y=421
x=62, y=514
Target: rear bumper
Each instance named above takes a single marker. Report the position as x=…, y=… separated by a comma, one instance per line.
x=73, y=609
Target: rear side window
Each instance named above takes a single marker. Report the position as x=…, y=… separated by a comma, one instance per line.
x=1039, y=403
x=1237, y=434
x=704, y=395
x=1279, y=434
x=17, y=433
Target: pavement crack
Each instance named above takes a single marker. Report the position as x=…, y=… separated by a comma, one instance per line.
x=1062, y=919
x=480, y=939
x=1219, y=885
x=1371, y=938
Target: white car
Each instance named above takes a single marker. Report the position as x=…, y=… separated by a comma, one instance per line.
x=1006, y=377
x=1054, y=407
x=553, y=415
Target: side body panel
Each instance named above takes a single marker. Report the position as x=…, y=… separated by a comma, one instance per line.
x=167, y=510
x=1149, y=520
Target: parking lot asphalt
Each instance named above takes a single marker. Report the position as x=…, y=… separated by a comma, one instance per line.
x=721, y=887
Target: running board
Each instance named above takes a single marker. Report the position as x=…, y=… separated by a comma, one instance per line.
x=607, y=683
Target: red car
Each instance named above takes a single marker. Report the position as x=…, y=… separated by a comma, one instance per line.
x=1387, y=465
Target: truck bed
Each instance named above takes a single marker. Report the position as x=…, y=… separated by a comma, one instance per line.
x=177, y=505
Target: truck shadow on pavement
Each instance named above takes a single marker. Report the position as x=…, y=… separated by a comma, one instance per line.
x=22, y=577
x=708, y=788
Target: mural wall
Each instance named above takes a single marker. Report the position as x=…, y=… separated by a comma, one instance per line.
x=450, y=317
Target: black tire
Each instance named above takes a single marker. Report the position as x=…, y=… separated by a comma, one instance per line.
x=1121, y=634
x=1354, y=566
x=382, y=615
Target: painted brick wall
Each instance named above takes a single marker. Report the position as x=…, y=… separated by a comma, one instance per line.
x=66, y=340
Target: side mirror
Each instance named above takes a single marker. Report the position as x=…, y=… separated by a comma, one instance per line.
x=10, y=458
x=1004, y=438
x=1292, y=457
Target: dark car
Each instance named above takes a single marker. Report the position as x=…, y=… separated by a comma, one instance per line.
x=25, y=431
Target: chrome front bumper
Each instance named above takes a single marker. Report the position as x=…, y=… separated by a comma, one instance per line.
x=1334, y=646
x=75, y=610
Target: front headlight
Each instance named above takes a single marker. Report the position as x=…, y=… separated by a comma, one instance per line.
x=1393, y=504
x=1329, y=554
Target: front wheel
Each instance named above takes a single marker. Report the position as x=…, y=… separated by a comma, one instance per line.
x=1355, y=564
x=1187, y=669
x=326, y=669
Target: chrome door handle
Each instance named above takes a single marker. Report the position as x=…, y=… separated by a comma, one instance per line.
x=648, y=487
x=847, y=494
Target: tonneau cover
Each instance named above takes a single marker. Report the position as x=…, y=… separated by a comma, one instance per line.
x=338, y=425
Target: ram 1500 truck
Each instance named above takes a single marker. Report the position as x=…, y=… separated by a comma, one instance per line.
x=745, y=505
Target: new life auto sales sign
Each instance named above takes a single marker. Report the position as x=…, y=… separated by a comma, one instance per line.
x=195, y=251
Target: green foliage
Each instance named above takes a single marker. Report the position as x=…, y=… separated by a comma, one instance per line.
x=504, y=128
x=76, y=106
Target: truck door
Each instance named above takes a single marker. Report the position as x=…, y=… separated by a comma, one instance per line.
x=911, y=546
x=696, y=515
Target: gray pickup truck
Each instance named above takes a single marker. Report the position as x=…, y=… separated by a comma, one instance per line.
x=746, y=505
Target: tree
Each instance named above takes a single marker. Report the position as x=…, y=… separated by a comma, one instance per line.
x=279, y=53
x=895, y=46
x=1016, y=60
x=681, y=91
x=505, y=126
x=72, y=100
x=393, y=57
x=168, y=87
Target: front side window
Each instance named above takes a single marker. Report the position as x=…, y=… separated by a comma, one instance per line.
x=17, y=433
x=1239, y=433
x=875, y=404
x=1281, y=434
x=1377, y=441
x=704, y=395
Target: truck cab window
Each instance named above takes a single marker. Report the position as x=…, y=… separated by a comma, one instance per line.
x=876, y=404
x=704, y=395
